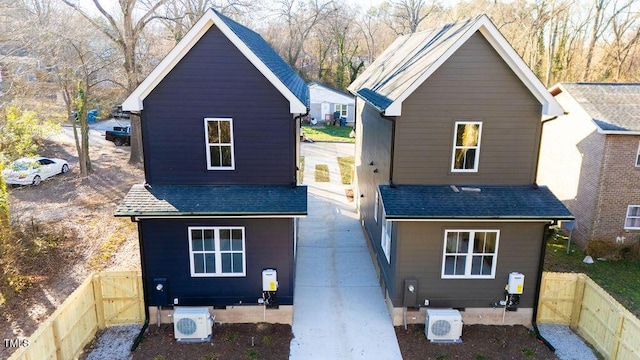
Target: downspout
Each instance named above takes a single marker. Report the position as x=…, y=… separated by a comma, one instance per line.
x=544, y=121
x=534, y=323
x=145, y=325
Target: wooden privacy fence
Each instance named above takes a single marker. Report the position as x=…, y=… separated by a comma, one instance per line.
x=103, y=299
x=577, y=301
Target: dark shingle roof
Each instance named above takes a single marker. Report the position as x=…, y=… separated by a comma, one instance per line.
x=270, y=58
x=491, y=202
x=613, y=107
x=239, y=200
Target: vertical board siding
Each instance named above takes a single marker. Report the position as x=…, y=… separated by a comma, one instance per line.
x=576, y=300
x=420, y=246
x=269, y=244
x=474, y=84
x=215, y=80
x=74, y=324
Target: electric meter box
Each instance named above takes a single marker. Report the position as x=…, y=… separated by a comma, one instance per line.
x=269, y=280
x=516, y=283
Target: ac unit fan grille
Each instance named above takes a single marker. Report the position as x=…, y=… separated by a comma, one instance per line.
x=440, y=327
x=186, y=326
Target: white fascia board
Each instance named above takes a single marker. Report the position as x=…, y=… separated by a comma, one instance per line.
x=135, y=101
x=550, y=106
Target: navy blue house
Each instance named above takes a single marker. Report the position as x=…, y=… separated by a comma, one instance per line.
x=220, y=118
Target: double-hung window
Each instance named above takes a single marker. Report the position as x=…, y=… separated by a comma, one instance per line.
x=632, y=221
x=217, y=251
x=470, y=254
x=466, y=146
x=638, y=157
x=219, y=138
x=342, y=109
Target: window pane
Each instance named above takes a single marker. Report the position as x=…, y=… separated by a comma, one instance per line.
x=490, y=243
x=209, y=245
x=196, y=234
x=225, y=132
x=210, y=263
x=198, y=263
x=487, y=265
x=226, y=155
x=467, y=135
x=449, y=265
x=452, y=242
x=460, y=265
x=215, y=155
x=236, y=234
x=214, y=136
x=236, y=245
x=237, y=263
x=225, y=244
x=469, y=159
x=196, y=245
x=638, y=160
x=463, y=242
x=225, y=234
x=633, y=211
x=226, y=263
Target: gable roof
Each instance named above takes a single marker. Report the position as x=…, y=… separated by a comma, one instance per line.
x=614, y=108
x=337, y=93
x=250, y=44
x=214, y=201
x=443, y=202
x=411, y=59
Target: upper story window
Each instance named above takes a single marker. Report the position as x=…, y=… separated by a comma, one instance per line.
x=470, y=254
x=466, y=146
x=217, y=251
x=342, y=109
x=219, y=137
x=632, y=221
x=385, y=239
x=638, y=157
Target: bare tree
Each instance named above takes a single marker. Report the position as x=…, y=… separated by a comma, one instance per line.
x=404, y=16
x=625, y=26
x=125, y=31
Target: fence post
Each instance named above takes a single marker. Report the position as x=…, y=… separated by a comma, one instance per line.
x=96, y=281
x=578, y=297
x=56, y=338
x=616, y=341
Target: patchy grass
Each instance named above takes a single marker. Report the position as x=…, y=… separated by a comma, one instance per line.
x=322, y=173
x=346, y=168
x=112, y=244
x=301, y=171
x=620, y=278
x=329, y=133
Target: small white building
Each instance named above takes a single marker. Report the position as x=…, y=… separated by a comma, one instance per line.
x=326, y=100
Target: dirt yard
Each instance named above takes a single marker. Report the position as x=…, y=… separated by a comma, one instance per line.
x=94, y=239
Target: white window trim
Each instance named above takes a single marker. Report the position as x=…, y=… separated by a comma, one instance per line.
x=469, y=255
x=207, y=144
x=375, y=207
x=638, y=156
x=627, y=217
x=386, y=235
x=453, y=154
x=346, y=109
x=217, y=252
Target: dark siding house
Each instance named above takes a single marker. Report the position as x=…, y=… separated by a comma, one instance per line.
x=220, y=204
x=448, y=126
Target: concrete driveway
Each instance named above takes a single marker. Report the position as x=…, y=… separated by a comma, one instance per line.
x=339, y=310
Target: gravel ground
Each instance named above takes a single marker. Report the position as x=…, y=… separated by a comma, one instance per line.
x=569, y=346
x=114, y=343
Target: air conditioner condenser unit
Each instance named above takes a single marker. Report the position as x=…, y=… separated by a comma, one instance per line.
x=443, y=325
x=192, y=324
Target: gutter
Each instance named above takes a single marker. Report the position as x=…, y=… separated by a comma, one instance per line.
x=534, y=323
x=145, y=325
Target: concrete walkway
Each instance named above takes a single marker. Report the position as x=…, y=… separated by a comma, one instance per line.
x=339, y=309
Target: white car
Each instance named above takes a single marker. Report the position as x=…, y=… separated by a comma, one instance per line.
x=31, y=171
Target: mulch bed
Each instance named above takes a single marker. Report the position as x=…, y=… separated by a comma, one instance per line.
x=229, y=341
x=479, y=342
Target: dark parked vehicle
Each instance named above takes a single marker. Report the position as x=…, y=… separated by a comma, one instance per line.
x=120, y=135
x=118, y=113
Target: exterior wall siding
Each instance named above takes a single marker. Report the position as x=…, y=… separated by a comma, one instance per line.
x=373, y=138
x=215, y=80
x=474, y=84
x=269, y=244
x=619, y=186
x=570, y=164
x=420, y=246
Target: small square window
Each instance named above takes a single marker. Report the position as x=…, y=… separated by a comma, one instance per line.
x=343, y=109
x=217, y=251
x=632, y=220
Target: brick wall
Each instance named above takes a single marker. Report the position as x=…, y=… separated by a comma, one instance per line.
x=619, y=186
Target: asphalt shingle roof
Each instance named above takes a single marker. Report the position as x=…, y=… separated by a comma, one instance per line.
x=270, y=58
x=490, y=202
x=613, y=107
x=228, y=200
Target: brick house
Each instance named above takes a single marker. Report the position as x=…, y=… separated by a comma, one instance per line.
x=590, y=159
